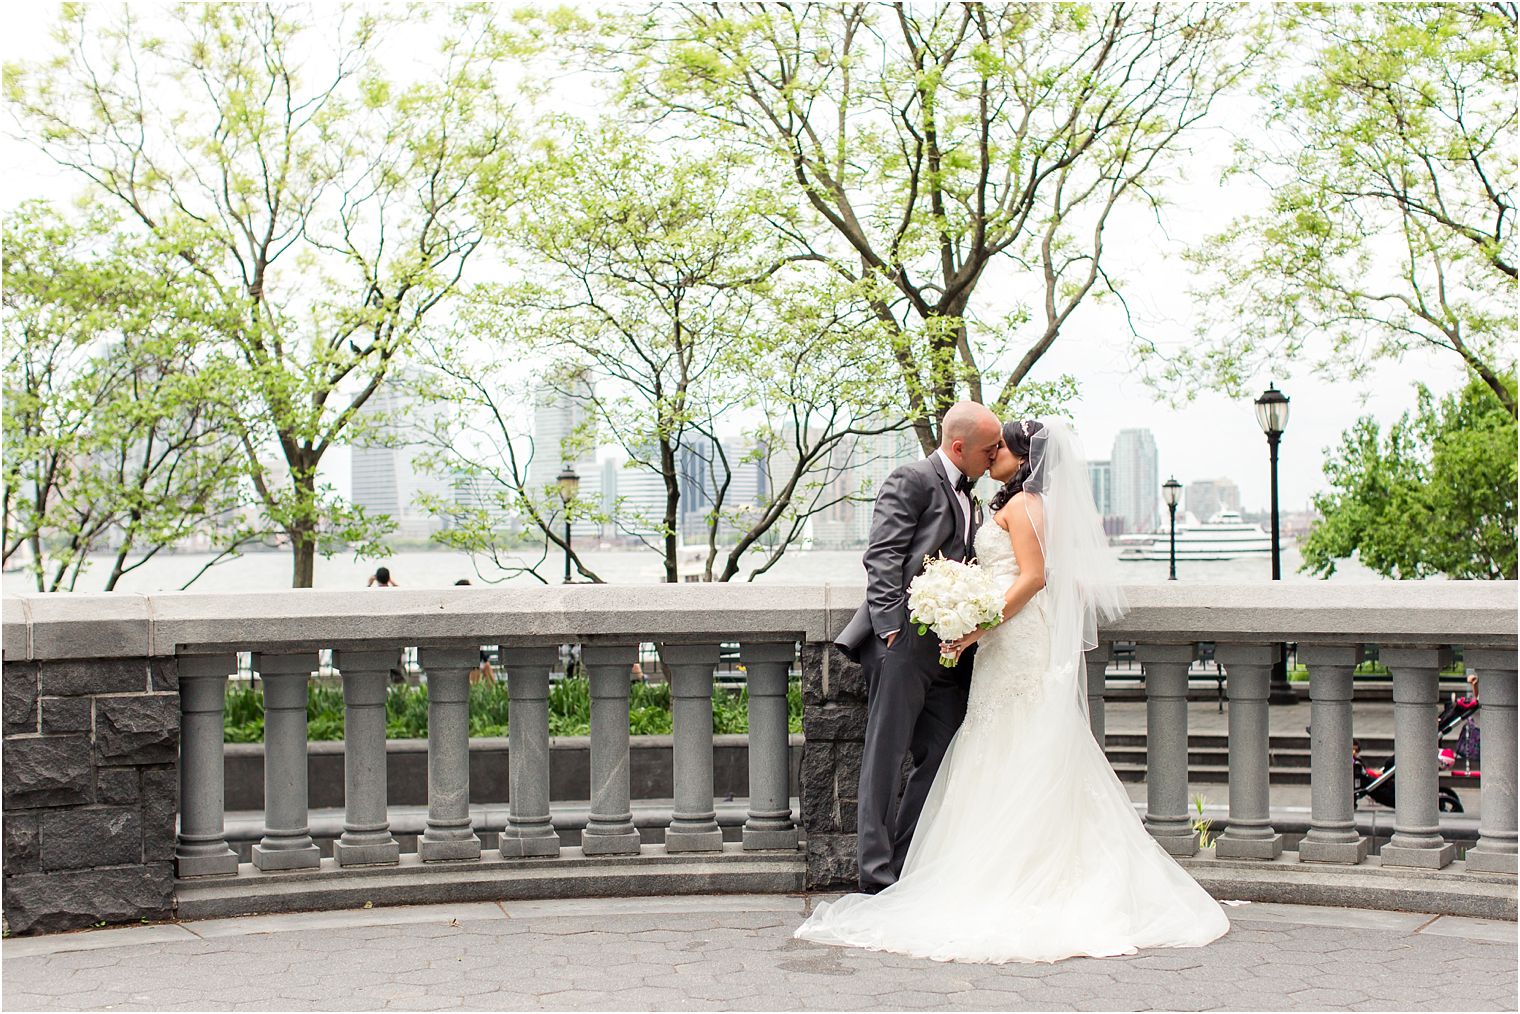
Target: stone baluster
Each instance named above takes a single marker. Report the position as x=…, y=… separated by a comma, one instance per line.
x=201, y=849
x=770, y=824
x=449, y=834
x=610, y=830
x=1496, y=848
x=1332, y=836
x=287, y=843
x=529, y=830
x=1249, y=834
x=1166, y=746
x=694, y=824
x=1097, y=686
x=1416, y=837
x=366, y=839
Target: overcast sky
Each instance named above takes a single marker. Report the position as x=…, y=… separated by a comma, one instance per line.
x=1213, y=436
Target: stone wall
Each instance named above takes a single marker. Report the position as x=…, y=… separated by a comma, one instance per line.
x=91, y=790
x=833, y=728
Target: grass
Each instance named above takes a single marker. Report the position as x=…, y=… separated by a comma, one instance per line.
x=406, y=711
x=1300, y=674
x=1202, y=824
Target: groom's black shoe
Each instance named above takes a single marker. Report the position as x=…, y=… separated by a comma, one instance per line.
x=873, y=888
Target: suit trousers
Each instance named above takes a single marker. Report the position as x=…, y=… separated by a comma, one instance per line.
x=914, y=707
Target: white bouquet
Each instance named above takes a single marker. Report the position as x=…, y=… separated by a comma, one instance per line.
x=952, y=599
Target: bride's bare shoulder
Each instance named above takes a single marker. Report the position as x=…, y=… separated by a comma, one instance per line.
x=1023, y=510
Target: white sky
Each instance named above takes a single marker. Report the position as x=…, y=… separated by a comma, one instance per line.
x=1211, y=437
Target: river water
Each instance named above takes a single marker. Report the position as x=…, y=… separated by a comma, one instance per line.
x=268, y=571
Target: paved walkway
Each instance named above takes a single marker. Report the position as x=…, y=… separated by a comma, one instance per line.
x=737, y=953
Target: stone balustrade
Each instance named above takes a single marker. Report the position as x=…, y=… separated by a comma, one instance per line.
x=196, y=638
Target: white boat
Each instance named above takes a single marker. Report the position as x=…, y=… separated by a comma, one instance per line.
x=1224, y=537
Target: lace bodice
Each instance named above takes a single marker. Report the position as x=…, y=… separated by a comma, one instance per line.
x=994, y=550
x=1011, y=660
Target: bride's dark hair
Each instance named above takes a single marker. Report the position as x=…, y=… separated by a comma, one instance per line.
x=1016, y=437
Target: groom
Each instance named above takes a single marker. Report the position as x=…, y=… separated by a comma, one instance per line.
x=915, y=704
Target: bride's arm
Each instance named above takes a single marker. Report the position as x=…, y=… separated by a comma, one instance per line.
x=1026, y=549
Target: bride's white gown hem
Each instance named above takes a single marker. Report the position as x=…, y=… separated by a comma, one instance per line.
x=1028, y=848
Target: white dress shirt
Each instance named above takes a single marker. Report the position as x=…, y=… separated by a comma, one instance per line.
x=961, y=498
x=954, y=474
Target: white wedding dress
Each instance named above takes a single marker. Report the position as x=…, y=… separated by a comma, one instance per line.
x=1028, y=848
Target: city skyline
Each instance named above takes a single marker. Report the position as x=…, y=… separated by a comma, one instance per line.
x=385, y=479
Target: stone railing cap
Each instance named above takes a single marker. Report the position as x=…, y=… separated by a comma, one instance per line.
x=1389, y=612
x=109, y=625
x=15, y=629
x=549, y=615
x=121, y=624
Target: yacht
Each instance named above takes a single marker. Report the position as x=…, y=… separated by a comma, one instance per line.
x=1224, y=537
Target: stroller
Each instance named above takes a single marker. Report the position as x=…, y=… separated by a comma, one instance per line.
x=1379, y=784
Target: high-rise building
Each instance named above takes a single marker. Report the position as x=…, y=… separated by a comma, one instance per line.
x=641, y=500
x=1207, y=497
x=1136, y=479
x=857, y=469
x=705, y=474
x=1101, y=475
x=386, y=477
x=564, y=435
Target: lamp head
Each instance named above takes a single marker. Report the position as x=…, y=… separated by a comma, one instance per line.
x=569, y=484
x=1272, y=411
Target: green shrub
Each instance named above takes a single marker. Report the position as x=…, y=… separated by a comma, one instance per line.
x=406, y=710
x=243, y=721
x=488, y=708
x=570, y=708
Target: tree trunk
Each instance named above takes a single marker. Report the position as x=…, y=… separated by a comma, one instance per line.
x=303, y=544
x=672, y=509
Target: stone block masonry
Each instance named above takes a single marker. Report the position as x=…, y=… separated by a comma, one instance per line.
x=91, y=791
x=833, y=729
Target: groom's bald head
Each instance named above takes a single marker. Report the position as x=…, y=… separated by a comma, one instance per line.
x=970, y=435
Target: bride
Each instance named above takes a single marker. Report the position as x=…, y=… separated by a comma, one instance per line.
x=1028, y=848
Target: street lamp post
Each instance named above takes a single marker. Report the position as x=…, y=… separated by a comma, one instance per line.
x=1170, y=490
x=1272, y=415
x=569, y=488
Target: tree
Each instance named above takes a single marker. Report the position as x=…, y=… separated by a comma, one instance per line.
x=111, y=424
x=324, y=210
x=663, y=307
x=924, y=146
x=1390, y=222
x=1435, y=495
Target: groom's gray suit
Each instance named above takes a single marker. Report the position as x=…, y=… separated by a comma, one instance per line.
x=915, y=704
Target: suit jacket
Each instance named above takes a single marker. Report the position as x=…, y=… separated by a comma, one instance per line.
x=917, y=515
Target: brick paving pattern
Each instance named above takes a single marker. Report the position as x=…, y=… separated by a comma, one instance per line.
x=737, y=953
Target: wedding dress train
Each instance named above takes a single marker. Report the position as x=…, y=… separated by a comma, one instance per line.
x=1028, y=848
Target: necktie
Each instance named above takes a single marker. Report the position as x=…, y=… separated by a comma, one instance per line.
x=963, y=487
